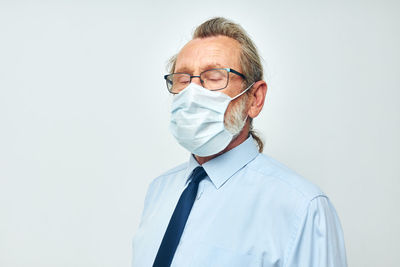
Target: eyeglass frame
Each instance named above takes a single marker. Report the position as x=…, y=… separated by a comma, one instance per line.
x=201, y=81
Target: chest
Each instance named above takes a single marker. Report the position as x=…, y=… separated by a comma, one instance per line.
x=231, y=226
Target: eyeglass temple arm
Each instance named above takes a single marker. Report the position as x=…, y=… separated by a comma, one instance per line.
x=236, y=72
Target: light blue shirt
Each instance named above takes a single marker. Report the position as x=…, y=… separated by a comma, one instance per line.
x=250, y=211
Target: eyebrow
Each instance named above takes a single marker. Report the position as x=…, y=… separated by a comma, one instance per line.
x=204, y=68
x=183, y=70
x=211, y=66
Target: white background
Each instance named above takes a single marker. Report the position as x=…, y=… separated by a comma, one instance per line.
x=84, y=117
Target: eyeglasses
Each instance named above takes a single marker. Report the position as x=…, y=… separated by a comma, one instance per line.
x=213, y=79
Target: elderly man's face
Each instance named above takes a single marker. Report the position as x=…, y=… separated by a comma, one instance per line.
x=213, y=52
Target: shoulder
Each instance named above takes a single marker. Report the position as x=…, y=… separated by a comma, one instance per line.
x=284, y=179
x=169, y=175
x=162, y=182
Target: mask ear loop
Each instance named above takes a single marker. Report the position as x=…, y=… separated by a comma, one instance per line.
x=244, y=91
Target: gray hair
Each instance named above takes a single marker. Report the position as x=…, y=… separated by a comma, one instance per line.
x=250, y=60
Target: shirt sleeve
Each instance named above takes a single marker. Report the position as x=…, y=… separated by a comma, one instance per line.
x=318, y=239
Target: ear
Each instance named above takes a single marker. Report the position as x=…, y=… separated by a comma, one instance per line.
x=257, y=98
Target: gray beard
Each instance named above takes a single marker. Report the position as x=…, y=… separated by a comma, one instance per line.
x=236, y=117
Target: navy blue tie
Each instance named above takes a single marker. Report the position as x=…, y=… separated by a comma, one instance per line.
x=178, y=220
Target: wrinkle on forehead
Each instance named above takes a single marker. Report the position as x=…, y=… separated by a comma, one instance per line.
x=212, y=52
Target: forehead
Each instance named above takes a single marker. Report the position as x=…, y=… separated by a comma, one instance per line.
x=204, y=53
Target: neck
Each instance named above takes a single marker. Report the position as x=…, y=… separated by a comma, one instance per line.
x=234, y=143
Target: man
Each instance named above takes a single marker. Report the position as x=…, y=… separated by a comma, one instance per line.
x=230, y=205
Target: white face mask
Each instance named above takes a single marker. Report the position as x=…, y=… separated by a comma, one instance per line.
x=197, y=120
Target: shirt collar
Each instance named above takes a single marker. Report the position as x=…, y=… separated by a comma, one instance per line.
x=221, y=168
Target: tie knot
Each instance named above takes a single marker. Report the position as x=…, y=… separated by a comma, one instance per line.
x=198, y=174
